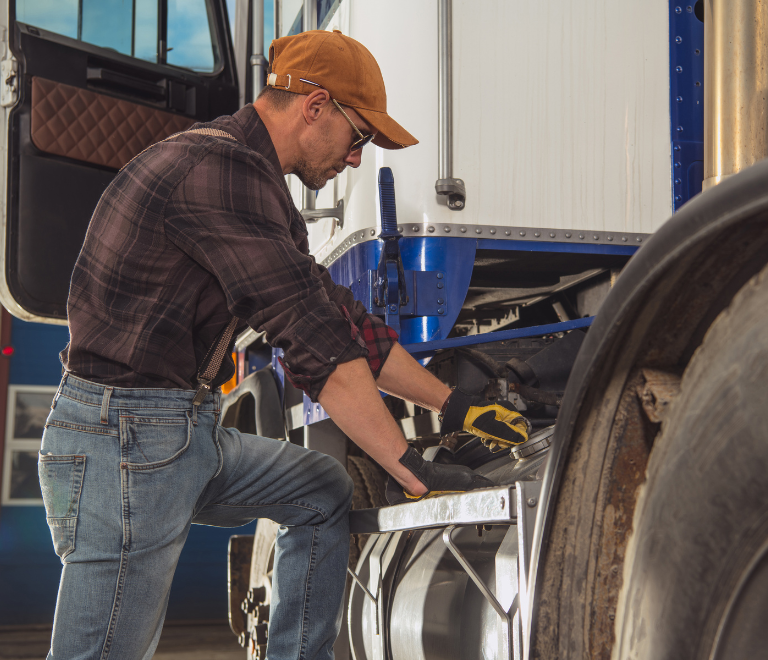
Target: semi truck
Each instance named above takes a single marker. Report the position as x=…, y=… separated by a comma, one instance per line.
x=581, y=231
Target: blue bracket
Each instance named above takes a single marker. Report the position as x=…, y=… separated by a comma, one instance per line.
x=428, y=348
x=390, y=284
x=425, y=293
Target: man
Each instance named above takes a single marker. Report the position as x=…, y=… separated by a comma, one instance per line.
x=194, y=231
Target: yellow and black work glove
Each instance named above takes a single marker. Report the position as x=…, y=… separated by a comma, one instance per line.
x=437, y=477
x=496, y=423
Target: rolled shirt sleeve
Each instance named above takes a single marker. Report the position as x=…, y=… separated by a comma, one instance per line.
x=250, y=237
x=377, y=335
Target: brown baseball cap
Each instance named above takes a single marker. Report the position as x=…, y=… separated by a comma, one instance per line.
x=343, y=67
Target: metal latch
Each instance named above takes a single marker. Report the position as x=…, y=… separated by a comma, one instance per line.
x=9, y=93
x=390, y=288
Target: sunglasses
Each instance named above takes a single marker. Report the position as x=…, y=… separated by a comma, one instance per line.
x=362, y=140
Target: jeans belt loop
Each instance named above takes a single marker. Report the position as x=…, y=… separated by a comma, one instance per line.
x=58, y=391
x=105, y=405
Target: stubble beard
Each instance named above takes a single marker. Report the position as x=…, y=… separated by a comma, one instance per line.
x=314, y=175
x=311, y=176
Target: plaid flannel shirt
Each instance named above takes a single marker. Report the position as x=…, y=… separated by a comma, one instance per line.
x=190, y=233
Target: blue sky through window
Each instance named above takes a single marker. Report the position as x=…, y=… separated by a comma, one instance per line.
x=110, y=24
x=145, y=46
x=189, y=35
x=59, y=16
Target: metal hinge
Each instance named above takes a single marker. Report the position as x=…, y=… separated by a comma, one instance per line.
x=313, y=215
x=9, y=93
x=455, y=190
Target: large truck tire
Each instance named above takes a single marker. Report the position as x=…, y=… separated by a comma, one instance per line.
x=369, y=480
x=643, y=472
x=696, y=568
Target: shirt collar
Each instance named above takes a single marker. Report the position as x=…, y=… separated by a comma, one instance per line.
x=256, y=135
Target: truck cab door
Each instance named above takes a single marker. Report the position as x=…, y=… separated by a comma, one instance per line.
x=86, y=85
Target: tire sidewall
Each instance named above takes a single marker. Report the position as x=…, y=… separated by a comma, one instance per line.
x=701, y=516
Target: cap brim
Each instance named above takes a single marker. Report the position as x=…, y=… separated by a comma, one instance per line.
x=389, y=134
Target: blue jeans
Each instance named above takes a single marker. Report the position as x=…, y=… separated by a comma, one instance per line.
x=125, y=472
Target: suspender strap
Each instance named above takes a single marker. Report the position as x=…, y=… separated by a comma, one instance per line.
x=212, y=363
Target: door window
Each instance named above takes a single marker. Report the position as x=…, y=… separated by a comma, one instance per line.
x=189, y=35
x=130, y=27
x=59, y=16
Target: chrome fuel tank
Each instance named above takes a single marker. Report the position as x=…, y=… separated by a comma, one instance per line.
x=438, y=613
x=429, y=593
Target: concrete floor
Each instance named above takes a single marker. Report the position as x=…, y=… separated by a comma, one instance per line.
x=193, y=641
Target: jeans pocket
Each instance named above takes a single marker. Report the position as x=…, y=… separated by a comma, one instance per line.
x=61, y=480
x=153, y=442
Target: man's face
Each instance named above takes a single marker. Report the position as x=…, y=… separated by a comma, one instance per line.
x=327, y=150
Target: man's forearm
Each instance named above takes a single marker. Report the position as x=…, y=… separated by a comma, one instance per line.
x=406, y=379
x=352, y=400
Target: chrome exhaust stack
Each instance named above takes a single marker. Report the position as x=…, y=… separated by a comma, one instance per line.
x=735, y=86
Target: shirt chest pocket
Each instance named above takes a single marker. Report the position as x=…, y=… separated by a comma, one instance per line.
x=150, y=442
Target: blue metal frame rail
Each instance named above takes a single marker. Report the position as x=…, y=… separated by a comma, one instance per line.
x=428, y=348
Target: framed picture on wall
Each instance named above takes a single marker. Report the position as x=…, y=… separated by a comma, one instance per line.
x=28, y=408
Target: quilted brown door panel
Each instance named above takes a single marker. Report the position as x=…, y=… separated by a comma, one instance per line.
x=84, y=111
x=87, y=126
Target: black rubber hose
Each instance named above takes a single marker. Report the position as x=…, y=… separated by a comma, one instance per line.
x=523, y=371
x=489, y=365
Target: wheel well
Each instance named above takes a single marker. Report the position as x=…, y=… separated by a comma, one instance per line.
x=241, y=414
x=254, y=406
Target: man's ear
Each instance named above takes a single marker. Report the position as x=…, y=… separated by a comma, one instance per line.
x=314, y=105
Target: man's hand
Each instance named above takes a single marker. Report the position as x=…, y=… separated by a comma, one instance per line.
x=352, y=400
x=436, y=477
x=497, y=423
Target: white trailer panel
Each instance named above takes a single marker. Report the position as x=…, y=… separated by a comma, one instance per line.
x=561, y=116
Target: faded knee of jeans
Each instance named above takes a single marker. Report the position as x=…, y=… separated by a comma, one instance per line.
x=343, y=484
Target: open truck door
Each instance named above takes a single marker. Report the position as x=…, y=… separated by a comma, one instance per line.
x=86, y=85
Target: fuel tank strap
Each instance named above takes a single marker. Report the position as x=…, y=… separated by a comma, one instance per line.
x=487, y=506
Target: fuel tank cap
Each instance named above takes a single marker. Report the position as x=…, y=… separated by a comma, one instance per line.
x=535, y=443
